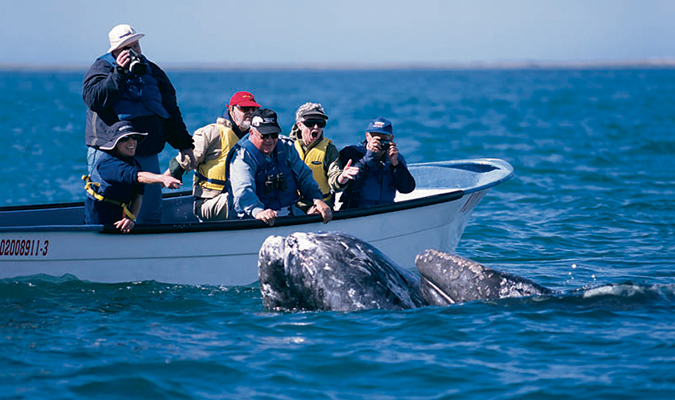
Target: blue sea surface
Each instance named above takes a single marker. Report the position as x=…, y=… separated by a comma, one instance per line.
x=589, y=213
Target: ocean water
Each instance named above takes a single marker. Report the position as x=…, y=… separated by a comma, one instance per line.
x=589, y=213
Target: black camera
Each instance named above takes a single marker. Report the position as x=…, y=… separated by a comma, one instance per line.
x=137, y=66
x=384, y=144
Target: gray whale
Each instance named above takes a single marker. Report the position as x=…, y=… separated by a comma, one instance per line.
x=332, y=271
x=337, y=272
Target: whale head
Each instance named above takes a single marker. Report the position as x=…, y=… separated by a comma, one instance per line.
x=332, y=271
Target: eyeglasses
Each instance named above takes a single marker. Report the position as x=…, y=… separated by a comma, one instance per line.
x=246, y=109
x=321, y=123
x=137, y=138
x=274, y=135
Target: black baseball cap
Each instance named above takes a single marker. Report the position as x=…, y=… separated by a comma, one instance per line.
x=264, y=121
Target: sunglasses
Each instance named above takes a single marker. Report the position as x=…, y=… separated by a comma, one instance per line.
x=274, y=135
x=247, y=109
x=321, y=123
x=137, y=138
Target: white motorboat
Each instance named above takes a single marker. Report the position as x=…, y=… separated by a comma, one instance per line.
x=51, y=239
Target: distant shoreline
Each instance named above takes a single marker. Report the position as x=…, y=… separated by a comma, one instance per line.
x=516, y=65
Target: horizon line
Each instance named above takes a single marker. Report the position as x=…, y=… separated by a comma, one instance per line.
x=654, y=63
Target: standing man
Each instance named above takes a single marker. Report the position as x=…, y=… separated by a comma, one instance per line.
x=266, y=174
x=320, y=154
x=212, y=144
x=123, y=85
x=382, y=170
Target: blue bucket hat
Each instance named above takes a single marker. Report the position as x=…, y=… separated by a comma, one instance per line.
x=117, y=131
x=380, y=125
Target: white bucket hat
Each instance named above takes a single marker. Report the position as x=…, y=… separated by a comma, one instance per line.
x=122, y=35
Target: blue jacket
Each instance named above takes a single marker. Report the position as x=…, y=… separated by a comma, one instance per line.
x=246, y=169
x=377, y=181
x=118, y=177
x=148, y=101
x=273, y=192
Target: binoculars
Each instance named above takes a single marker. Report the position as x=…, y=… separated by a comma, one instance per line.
x=275, y=181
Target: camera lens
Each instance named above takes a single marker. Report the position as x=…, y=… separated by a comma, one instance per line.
x=136, y=66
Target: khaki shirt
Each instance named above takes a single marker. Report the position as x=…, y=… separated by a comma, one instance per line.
x=207, y=147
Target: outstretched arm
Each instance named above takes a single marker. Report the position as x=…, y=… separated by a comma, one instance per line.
x=347, y=174
x=167, y=181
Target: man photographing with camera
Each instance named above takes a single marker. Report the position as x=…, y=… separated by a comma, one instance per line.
x=123, y=85
x=382, y=170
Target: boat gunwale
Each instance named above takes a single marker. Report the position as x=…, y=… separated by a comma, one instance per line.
x=247, y=224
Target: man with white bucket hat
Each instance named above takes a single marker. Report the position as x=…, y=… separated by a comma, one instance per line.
x=123, y=85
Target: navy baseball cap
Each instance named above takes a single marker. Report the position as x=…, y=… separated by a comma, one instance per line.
x=380, y=125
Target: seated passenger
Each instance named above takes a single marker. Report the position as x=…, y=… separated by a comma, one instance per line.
x=320, y=154
x=266, y=174
x=212, y=144
x=382, y=170
x=115, y=186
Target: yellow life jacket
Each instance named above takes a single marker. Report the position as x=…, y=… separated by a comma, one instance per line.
x=89, y=187
x=211, y=174
x=314, y=159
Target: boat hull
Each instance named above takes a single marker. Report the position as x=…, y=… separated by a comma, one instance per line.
x=226, y=253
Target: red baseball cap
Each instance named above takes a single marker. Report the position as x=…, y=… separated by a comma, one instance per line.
x=243, y=99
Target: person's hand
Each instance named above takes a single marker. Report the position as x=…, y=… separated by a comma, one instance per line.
x=393, y=154
x=373, y=144
x=125, y=225
x=267, y=216
x=123, y=59
x=175, y=170
x=188, y=155
x=170, y=182
x=348, y=173
x=322, y=208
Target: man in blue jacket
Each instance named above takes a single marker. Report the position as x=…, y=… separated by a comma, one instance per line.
x=123, y=85
x=267, y=175
x=382, y=170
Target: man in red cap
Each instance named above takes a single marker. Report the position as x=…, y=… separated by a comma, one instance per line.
x=212, y=143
